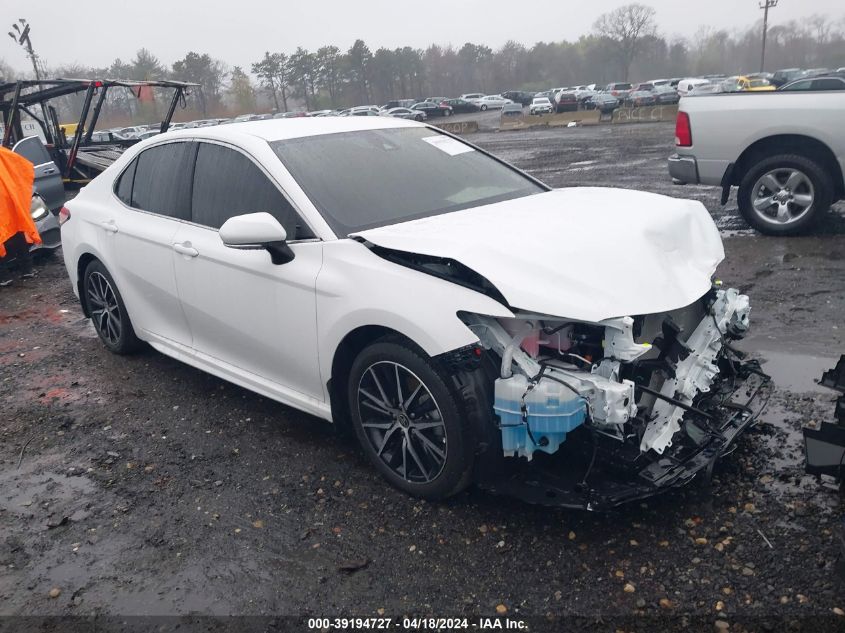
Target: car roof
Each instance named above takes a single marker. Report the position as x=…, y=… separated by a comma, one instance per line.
x=281, y=129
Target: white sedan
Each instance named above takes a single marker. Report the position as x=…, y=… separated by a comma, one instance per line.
x=492, y=102
x=540, y=105
x=456, y=313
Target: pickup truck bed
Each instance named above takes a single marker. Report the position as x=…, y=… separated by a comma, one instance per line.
x=784, y=150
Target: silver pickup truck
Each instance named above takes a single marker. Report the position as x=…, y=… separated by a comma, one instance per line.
x=784, y=150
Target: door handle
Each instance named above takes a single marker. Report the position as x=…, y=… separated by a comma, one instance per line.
x=185, y=249
x=49, y=171
x=109, y=226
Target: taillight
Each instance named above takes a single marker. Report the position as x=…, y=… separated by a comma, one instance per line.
x=683, y=131
x=64, y=215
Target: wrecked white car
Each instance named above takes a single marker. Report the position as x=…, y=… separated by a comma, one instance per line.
x=469, y=324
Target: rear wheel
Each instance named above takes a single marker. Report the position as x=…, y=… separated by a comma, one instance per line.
x=107, y=310
x=483, y=107
x=409, y=421
x=784, y=194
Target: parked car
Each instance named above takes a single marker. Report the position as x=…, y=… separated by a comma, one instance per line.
x=565, y=100
x=472, y=96
x=431, y=108
x=406, y=113
x=492, y=102
x=741, y=83
x=786, y=75
x=540, y=105
x=643, y=87
x=620, y=90
x=832, y=82
x=665, y=95
x=398, y=103
x=704, y=89
x=640, y=98
x=602, y=101
x=48, y=195
x=462, y=105
x=784, y=150
x=322, y=113
x=400, y=299
x=685, y=86
x=519, y=96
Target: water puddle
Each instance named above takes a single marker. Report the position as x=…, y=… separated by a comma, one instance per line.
x=798, y=373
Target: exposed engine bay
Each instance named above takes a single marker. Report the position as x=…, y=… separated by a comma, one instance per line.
x=644, y=403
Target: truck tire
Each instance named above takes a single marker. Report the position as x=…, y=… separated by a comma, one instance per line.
x=784, y=194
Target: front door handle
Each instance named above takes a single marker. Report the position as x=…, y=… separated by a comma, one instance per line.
x=109, y=226
x=186, y=249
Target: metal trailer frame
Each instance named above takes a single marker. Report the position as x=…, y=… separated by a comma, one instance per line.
x=20, y=96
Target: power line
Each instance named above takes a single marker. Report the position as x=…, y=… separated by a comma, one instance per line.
x=765, y=5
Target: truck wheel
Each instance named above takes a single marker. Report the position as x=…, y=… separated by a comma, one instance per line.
x=784, y=194
x=409, y=421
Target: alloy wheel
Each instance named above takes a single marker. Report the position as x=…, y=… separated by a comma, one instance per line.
x=782, y=196
x=105, y=311
x=402, y=422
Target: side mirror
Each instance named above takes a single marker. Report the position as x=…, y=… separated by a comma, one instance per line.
x=257, y=231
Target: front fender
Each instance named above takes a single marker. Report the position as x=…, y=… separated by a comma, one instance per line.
x=357, y=288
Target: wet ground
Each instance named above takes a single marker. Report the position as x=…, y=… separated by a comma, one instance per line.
x=137, y=485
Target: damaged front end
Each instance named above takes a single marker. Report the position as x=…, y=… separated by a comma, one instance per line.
x=592, y=415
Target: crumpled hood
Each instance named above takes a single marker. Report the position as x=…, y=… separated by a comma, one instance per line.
x=583, y=253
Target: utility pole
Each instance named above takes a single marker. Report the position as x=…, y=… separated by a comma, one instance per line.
x=765, y=5
x=20, y=33
x=21, y=36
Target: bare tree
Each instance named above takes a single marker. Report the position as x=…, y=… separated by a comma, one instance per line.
x=625, y=29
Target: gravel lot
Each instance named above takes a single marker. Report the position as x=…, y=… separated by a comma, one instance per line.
x=137, y=485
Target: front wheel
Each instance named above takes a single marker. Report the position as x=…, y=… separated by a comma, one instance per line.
x=447, y=113
x=409, y=422
x=784, y=194
x=107, y=310
x=483, y=107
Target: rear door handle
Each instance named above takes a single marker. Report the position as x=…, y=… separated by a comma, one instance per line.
x=186, y=249
x=109, y=226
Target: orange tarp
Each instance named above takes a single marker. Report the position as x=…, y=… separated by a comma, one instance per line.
x=16, y=177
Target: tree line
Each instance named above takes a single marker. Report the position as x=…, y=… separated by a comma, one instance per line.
x=624, y=44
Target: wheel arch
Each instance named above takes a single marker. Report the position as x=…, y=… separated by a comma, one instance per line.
x=804, y=145
x=81, y=264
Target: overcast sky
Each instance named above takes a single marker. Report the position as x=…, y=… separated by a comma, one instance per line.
x=95, y=32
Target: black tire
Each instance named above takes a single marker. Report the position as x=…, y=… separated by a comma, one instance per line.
x=420, y=471
x=818, y=183
x=483, y=107
x=110, y=320
x=447, y=113
x=418, y=117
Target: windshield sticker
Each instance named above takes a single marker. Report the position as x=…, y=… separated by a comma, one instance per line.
x=448, y=144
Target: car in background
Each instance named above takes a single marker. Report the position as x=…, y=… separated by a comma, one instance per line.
x=742, y=83
x=785, y=75
x=565, y=100
x=432, y=109
x=640, y=98
x=582, y=93
x=666, y=95
x=602, y=101
x=148, y=134
x=519, y=96
x=322, y=113
x=398, y=103
x=406, y=113
x=705, y=89
x=685, y=86
x=242, y=117
x=492, y=102
x=547, y=93
x=540, y=105
x=620, y=90
x=831, y=82
x=472, y=96
x=645, y=86
x=290, y=115
x=48, y=195
x=660, y=82
x=462, y=105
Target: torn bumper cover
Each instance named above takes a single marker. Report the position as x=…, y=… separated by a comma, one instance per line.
x=593, y=415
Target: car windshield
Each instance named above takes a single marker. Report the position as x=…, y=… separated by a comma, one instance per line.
x=370, y=178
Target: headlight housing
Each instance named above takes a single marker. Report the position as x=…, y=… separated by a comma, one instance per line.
x=37, y=208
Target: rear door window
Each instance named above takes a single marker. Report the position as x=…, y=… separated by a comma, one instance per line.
x=828, y=84
x=162, y=182
x=227, y=183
